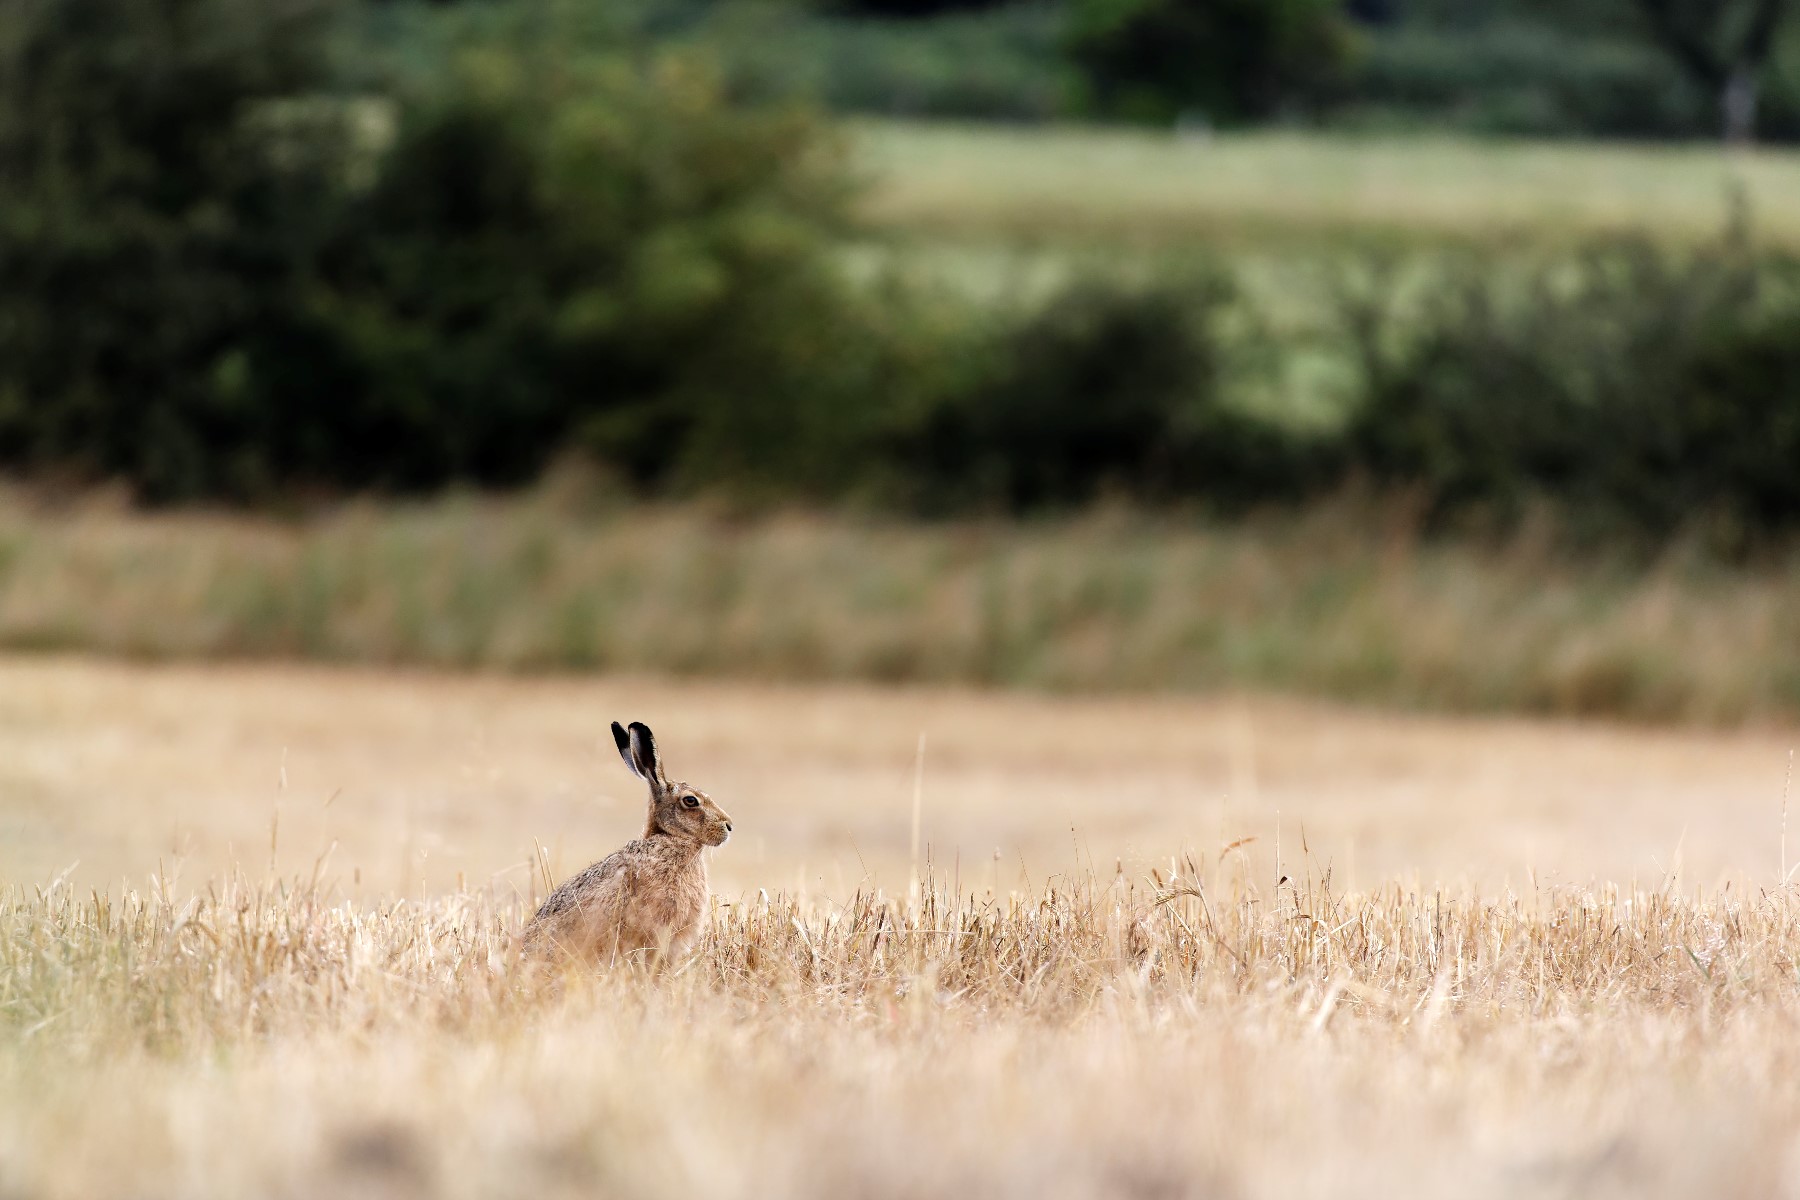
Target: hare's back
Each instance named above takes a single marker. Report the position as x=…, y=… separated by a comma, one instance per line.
x=584, y=888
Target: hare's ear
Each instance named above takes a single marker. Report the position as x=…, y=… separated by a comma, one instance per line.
x=623, y=741
x=644, y=758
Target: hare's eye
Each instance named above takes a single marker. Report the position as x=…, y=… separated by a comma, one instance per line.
x=690, y=801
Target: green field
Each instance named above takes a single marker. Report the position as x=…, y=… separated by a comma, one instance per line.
x=1159, y=190
x=1010, y=215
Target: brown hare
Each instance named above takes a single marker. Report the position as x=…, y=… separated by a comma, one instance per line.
x=649, y=896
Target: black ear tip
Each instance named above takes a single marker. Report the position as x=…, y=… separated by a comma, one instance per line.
x=620, y=738
x=642, y=730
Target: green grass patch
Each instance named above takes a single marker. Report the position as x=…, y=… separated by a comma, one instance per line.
x=1067, y=185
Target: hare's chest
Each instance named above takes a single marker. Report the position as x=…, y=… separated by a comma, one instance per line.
x=666, y=901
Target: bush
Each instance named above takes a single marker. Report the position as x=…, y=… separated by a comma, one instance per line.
x=156, y=207
x=1231, y=60
x=1740, y=439
x=1109, y=390
x=223, y=281
x=1633, y=388
x=1528, y=80
x=1003, y=64
x=614, y=260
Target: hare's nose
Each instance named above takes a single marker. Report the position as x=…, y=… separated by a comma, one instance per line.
x=728, y=827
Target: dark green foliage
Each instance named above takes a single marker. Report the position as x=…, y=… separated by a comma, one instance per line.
x=221, y=280
x=1088, y=394
x=161, y=174
x=1723, y=46
x=1230, y=60
x=224, y=279
x=1533, y=67
x=1632, y=388
x=1742, y=429
x=1611, y=68
x=1109, y=390
x=541, y=262
x=1525, y=80
x=1004, y=63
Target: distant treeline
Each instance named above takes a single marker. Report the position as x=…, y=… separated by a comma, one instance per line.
x=1613, y=68
x=226, y=276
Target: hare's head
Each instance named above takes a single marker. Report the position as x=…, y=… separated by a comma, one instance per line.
x=676, y=809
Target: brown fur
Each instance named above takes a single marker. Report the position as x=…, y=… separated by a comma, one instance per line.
x=648, y=897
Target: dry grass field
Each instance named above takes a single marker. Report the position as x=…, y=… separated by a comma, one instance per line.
x=419, y=783
x=1508, y=959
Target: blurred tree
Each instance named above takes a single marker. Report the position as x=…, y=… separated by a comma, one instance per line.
x=161, y=169
x=583, y=252
x=217, y=278
x=1723, y=45
x=1231, y=60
